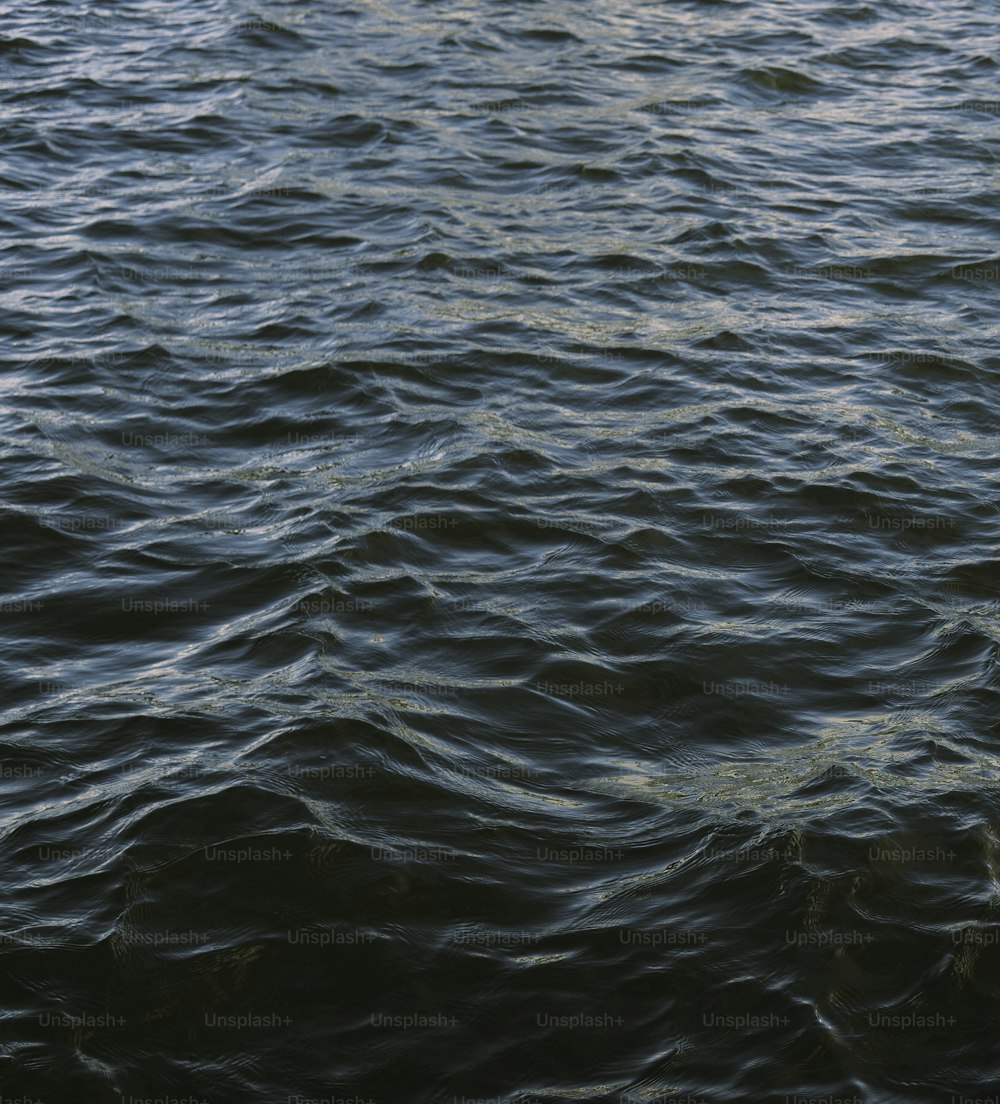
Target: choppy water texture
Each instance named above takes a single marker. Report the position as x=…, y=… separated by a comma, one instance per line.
x=500, y=526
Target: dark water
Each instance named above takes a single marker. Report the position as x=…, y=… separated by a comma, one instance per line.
x=500, y=514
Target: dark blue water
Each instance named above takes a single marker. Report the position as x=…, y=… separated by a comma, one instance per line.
x=500, y=525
